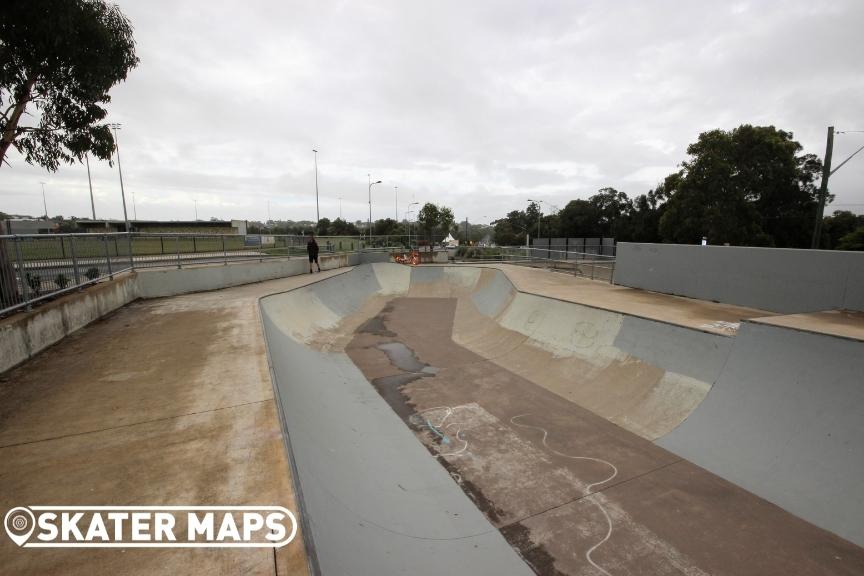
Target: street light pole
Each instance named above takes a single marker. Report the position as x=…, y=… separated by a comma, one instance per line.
x=317, y=209
x=340, y=207
x=90, y=182
x=369, y=230
x=44, y=203
x=396, y=195
x=116, y=127
x=407, y=213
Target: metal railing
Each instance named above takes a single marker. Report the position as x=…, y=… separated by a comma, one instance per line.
x=585, y=264
x=38, y=267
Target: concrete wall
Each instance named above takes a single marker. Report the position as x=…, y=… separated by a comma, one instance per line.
x=774, y=279
x=785, y=421
x=172, y=281
x=23, y=335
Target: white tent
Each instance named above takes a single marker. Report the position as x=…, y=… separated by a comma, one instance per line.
x=450, y=241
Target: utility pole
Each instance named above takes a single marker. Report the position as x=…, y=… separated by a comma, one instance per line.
x=823, y=189
x=90, y=182
x=317, y=209
x=396, y=193
x=340, y=207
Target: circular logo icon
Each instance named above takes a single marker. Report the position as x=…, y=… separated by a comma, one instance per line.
x=19, y=523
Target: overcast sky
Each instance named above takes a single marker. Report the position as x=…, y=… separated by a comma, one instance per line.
x=478, y=105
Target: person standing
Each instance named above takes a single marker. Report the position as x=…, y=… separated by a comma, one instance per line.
x=312, y=250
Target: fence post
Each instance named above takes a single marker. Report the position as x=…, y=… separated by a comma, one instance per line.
x=131, y=257
x=224, y=251
x=108, y=255
x=74, y=262
x=177, y=244
x=25, y=286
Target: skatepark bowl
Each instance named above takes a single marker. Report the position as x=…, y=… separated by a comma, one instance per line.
x=440, y=421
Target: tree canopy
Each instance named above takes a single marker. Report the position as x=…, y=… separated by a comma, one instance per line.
x=60, y=57
x=433, y=218
x=749, y=186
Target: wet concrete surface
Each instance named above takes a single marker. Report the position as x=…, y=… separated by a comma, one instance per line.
x=571, y=491
x=165, y=402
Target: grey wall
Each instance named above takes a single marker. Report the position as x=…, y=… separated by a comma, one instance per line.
x=774, y=279
x=785, y=420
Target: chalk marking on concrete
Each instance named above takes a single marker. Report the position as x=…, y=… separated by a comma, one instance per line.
x=587, y=488
x=437, y=428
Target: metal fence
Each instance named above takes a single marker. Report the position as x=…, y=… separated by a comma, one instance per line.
x=37, y=267
x=585, y=264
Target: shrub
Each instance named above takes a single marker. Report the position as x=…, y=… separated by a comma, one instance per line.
x=34, y=281
x=92, y=273
x=62, y=281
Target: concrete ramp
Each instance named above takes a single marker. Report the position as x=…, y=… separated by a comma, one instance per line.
x=775, y=411
x=785, y=420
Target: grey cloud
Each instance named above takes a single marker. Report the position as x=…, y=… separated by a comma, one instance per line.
x=475, y=105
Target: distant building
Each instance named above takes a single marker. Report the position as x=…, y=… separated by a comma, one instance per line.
x=166, y=227
x=31, y=226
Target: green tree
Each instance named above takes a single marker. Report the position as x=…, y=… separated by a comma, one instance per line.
x=838, y=225
x=388, y=227
x=748, y=186
x=429, y=217
x=60, y=57
x=323, y=227
x=340, y=227
x=580, y=219
x=511, y=230
x=610, y=207
x=434, y=219
x=852, y=241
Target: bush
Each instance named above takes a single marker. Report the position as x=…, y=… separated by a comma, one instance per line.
x=34, y=281
x=479, y=252
x=92, y=273
x=62, y=281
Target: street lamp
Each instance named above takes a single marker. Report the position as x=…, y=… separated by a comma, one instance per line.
x=90, y=183
x=407, y=212
x=44, y=203
x=369, y=231
x=116, y=127
x=317, y=209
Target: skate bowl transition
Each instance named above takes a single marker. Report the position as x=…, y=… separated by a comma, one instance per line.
x=440, y=421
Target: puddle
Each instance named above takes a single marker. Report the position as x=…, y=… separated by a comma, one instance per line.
x=404, y=358
x=390, y=387
x=376, y=325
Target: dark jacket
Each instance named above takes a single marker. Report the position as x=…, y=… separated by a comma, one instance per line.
x=312, y=247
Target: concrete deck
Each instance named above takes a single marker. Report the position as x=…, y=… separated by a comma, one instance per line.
x=165, y=402
x=711, y=317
